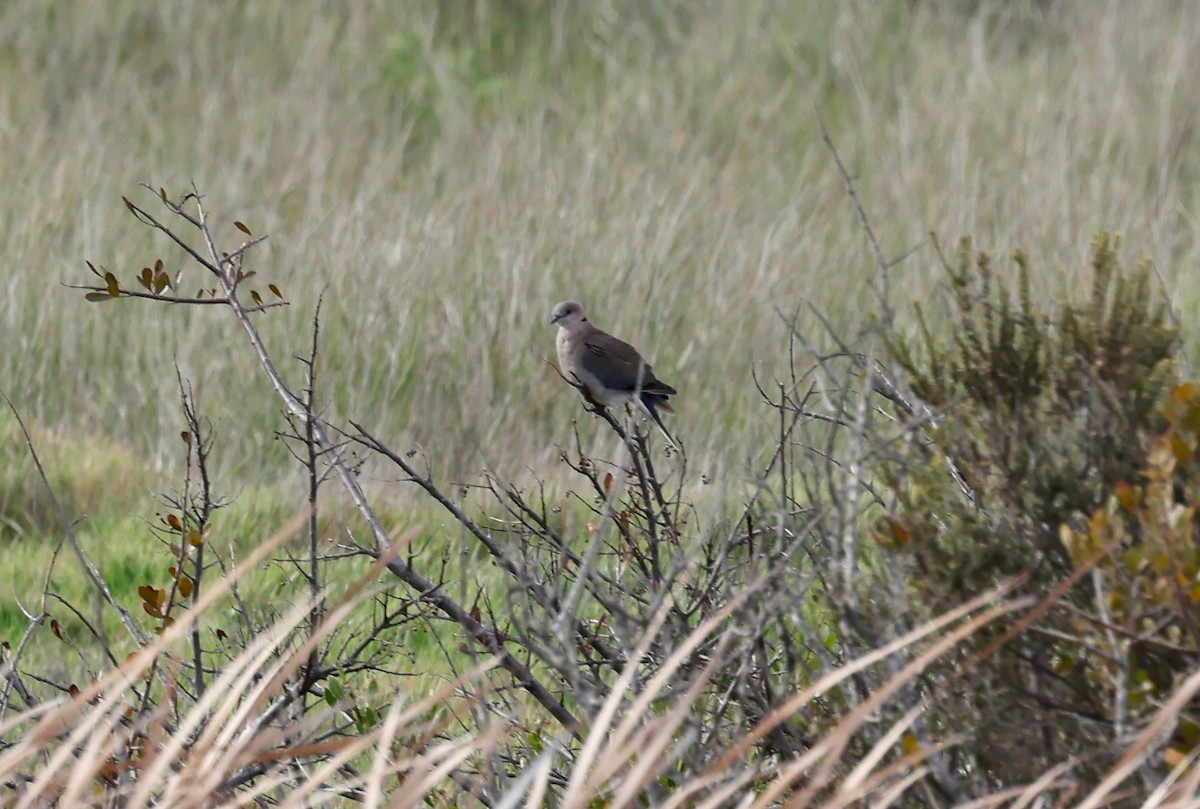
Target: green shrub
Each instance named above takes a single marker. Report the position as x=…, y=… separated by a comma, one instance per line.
x=1049, y=451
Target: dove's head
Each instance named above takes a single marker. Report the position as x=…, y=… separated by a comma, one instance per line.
x=567, y=314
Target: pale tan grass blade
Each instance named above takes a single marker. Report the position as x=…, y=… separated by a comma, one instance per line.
x=1145, y=743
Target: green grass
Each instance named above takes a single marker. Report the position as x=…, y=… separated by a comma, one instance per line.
x=445, y=176
x=445, y=179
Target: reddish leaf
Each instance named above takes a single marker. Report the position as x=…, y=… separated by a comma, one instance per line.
x=73, y=690
x=173, y=521
x=1127, y=496
x=899, y=533
x=242, y=228
x=608, y=482
x=185, y=587
x=54, y=627
x=147, y=594
x=186, y=437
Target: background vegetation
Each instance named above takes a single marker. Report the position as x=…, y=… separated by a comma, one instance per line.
x=443, y=173
x=451, y=171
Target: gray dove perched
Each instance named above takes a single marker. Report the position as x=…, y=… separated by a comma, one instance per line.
x=609, y=371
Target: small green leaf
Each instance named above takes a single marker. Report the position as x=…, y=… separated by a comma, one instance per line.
x=275, y=290
x=365, y=719
x=257, y=298
x=110, y=280
x=96, y=297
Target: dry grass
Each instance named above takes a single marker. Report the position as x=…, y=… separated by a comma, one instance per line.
x=137, y=737
x=446, y=177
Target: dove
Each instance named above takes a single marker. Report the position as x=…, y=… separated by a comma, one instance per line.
x=607, y=370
